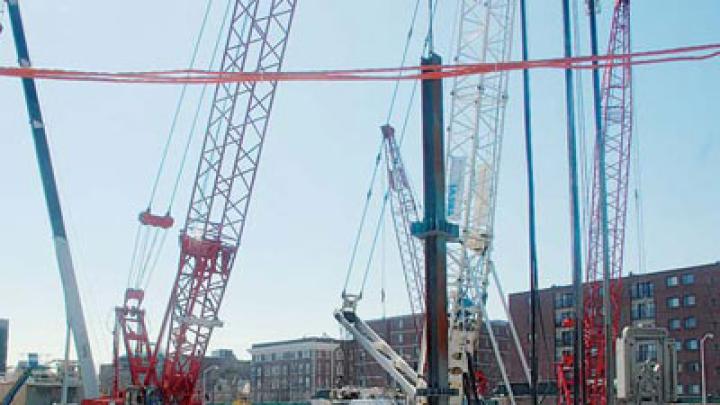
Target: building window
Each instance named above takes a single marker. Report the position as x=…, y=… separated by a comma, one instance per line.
x=689, y=300
x=693, y=366
x=400, y=323
x=690, y=322
x=673, y=302
x=691, y=344
x=564, y=300
x=643, y=310
x=672, y=281
x=566, y=338
x=647, y=351
x=694, y=389
x=678, y=346
x=674, y=324
x=400, y=338
x=680, y=389
x=688, y=279
x=642, y=290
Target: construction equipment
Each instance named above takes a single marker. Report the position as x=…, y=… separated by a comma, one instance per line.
x=211, y=235
x=474, y=141
x=606, y=233
x=407, y=378
x=477, y=114
x=32, y=365
x=404, y=214
x=73, y=304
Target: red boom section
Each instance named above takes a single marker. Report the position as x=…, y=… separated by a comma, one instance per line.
x=222, y=190
x=617, y=128
x=131, y=320
x=404, y=213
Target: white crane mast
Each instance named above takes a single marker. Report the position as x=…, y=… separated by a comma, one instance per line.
x=476, y=124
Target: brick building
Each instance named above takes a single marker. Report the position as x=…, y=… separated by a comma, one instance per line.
x=686, y=301
x=294, y=370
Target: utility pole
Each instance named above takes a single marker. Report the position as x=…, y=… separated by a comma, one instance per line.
x=576, y=254
x=73, y=305
x=435, y=231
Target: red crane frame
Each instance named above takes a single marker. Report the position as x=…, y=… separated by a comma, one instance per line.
x=209, y=241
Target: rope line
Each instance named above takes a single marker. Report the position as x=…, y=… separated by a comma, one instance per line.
x=378, y=159
x=178, y=106
x=139, y=265
x=668, y=55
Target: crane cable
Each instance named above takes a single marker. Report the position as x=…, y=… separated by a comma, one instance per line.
x=143, y=253
x=378, y=158
x=188, y=140
x=428, y=48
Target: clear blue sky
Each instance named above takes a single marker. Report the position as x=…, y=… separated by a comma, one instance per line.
x=106, y=142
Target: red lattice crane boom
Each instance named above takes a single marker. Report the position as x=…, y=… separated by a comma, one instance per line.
x=223, y=186
x=616, y=110
x=404, y=213
x=215, y=220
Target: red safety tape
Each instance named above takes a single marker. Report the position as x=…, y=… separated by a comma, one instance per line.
x=183, y=76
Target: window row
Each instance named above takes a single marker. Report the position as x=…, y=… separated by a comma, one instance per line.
x=687, y=301
x=686, y=279
x=689, y=389
x=690, y=344
x=677, y=324
x=642, y=290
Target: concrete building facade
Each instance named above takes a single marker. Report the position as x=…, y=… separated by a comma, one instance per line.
x=294, y=370
x=686, y=301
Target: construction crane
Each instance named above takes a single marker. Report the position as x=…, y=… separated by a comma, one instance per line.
x=73, y=304
x=404, y=212
x=476, y=125
x=32, y=365
x=211, y=235
x=608, y=208
x=474, y=140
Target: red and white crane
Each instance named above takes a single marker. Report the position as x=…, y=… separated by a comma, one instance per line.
x=608, y=207
x=211, y=236
x=617, y=136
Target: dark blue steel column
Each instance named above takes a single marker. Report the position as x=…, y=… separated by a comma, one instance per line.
x=527, y=120
x=576, y=254
x=435, y=231
x=73, y=306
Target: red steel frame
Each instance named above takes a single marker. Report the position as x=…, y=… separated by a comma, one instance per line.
x=617, y=127
x=404, y=213
x=131, y=321
x=216, y=216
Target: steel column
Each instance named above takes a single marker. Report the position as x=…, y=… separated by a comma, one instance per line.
x=576, y=253
x=435, y=231
x=73, y=304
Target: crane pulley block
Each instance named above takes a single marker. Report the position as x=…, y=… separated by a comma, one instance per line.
x=158, y=221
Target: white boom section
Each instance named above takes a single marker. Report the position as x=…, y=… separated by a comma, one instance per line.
x=407, y=378
x=477, y=115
